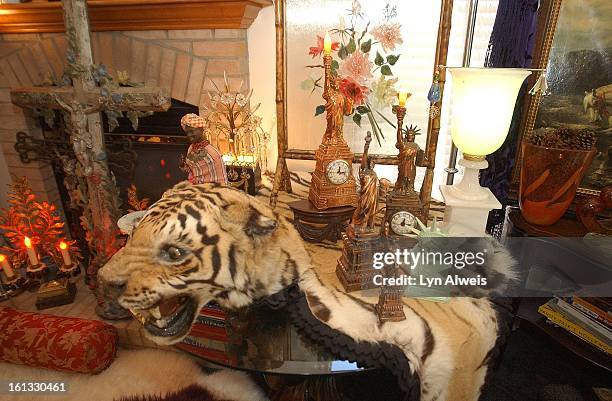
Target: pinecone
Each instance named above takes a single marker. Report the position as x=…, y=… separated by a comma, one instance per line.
x=585, y=139
x=564, y=138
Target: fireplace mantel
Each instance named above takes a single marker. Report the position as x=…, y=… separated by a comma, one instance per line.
x=132, y=15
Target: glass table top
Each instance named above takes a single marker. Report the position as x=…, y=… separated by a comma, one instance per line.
x=262, y=340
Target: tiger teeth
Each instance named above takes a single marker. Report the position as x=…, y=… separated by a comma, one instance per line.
x=155, y=312
x=138, y=315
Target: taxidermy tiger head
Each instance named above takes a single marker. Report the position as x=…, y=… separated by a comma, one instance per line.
x=202, y=243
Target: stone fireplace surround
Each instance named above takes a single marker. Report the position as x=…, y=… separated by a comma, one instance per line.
x=181, y=60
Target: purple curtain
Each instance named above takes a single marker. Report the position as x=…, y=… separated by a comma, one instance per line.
x=511, y=45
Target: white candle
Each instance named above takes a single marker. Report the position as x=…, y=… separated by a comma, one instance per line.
x=65, y=253
x=31, y=251
x=6, y=266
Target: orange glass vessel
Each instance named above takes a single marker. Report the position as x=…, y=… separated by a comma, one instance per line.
x=549, y=180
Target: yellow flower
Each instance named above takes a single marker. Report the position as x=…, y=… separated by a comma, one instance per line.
x=123, y=77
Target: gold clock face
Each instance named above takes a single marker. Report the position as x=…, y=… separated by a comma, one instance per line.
x=338, y=172
x=402, y=222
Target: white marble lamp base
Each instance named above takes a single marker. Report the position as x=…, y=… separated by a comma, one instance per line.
x=467, y=218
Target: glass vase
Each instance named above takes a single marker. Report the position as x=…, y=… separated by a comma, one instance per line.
x=548, y=181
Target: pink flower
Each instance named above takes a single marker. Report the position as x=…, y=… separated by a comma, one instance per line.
x=388, y=35
x=353, y=90
x=318, y=49
x=357, y=66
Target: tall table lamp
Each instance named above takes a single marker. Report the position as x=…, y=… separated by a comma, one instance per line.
x=482, y=104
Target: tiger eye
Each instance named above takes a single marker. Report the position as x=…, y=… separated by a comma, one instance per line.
x=174, y=253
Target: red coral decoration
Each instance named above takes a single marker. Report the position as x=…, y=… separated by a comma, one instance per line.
x=315, y=51
x=352, y=89
x=134, y=202
x=39, y=221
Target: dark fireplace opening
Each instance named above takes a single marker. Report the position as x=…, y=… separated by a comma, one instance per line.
x=156, y=148
x=148, y=158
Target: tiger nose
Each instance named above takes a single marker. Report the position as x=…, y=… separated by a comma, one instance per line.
x=118, y=288
x=113, y=288
x=113, y=284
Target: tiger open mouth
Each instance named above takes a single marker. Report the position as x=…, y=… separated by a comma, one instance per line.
x=170, y=317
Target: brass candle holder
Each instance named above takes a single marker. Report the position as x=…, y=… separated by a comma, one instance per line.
x=11, y=282
x=71, y=270
x=58, y=289
x=36, y=271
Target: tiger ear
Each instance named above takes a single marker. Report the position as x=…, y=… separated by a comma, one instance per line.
x=259, y=225
x=249, y=215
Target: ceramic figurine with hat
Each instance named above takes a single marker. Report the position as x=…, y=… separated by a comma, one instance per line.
x=203, y=162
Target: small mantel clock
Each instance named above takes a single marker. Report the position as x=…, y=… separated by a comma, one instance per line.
x=403, y=204
x=333, y=184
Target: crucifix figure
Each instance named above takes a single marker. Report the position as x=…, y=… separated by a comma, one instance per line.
x=81, y=105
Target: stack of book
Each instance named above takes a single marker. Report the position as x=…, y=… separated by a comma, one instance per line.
x=590, y=319
x=208, y=337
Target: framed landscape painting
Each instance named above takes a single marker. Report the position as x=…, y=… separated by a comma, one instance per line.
x=575, y=46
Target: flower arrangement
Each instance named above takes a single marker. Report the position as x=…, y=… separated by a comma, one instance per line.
x=364, y=58
x=27, y=218
x=230, y=117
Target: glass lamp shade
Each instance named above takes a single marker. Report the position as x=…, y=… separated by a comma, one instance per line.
x=483, y=102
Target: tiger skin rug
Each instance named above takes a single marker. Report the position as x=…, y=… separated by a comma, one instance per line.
x=441, y=351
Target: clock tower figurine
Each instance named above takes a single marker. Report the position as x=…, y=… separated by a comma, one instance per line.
x=403, y=202
x=333, y=184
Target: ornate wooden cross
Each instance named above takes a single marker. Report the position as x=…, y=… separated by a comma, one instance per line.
x=81, y=104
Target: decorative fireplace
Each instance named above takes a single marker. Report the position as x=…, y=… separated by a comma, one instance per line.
x=148, y=158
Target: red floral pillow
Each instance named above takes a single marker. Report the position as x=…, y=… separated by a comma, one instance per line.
x=61, y=343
